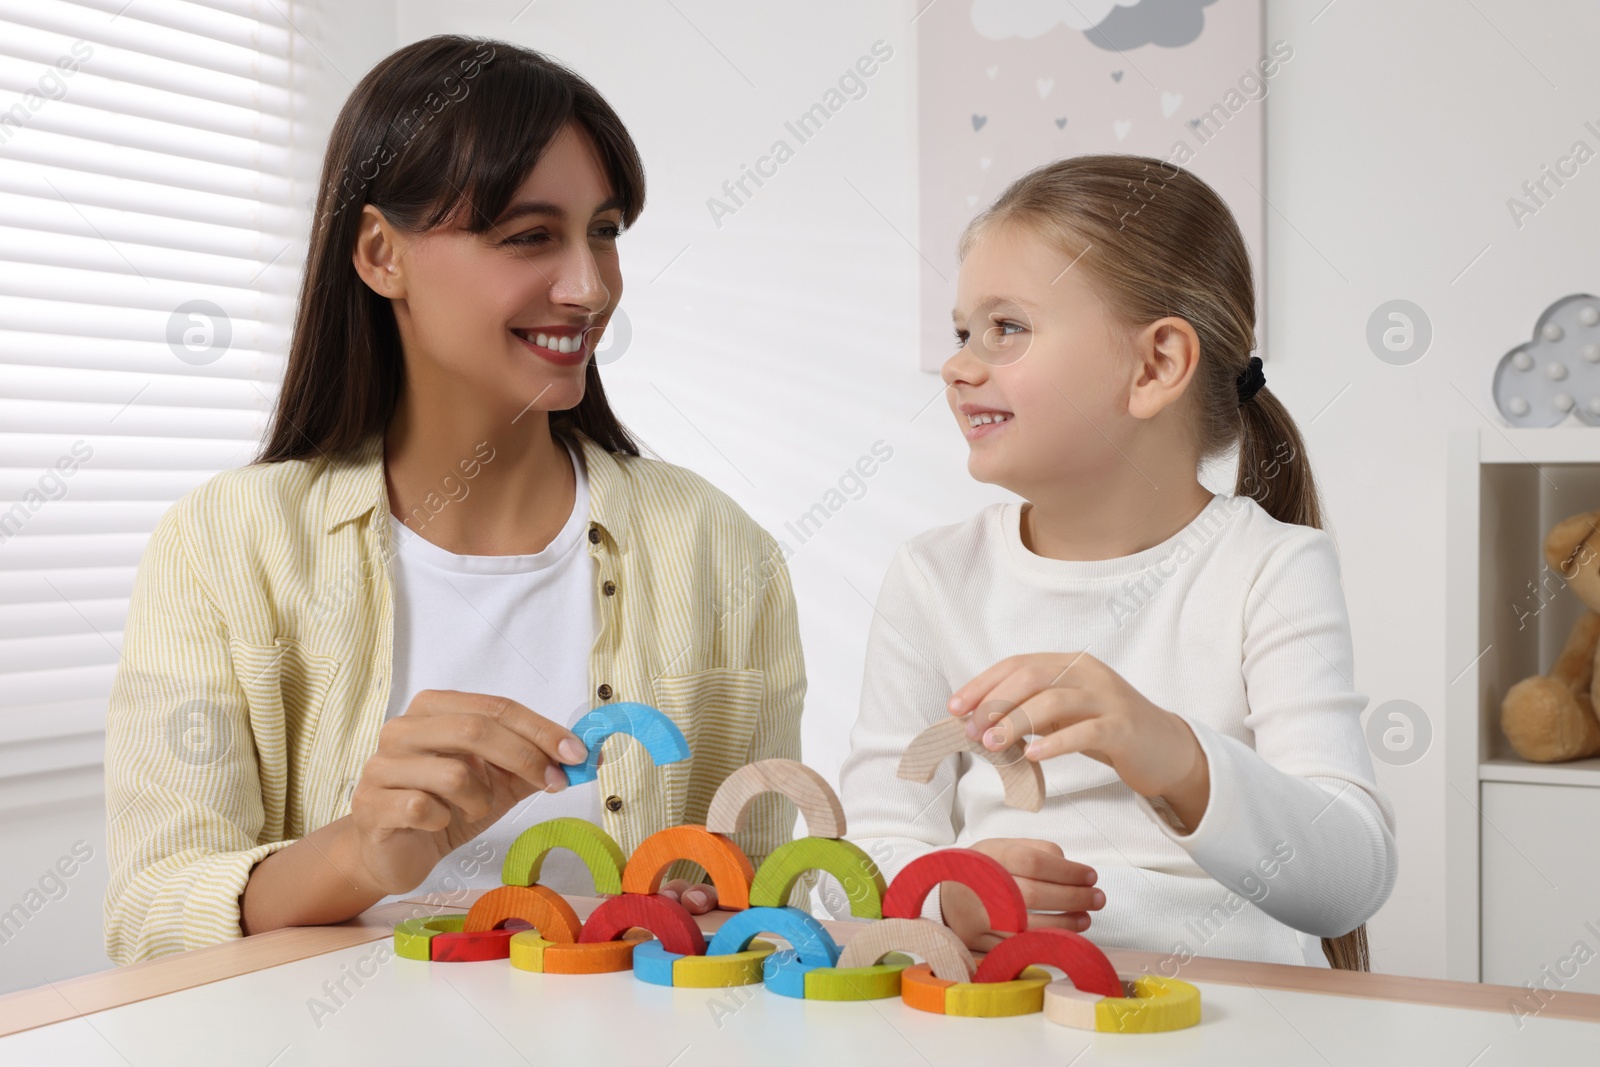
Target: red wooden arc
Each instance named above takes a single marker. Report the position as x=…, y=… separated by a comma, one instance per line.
x=1075, y=954
x=983, y=874
x=667, y=919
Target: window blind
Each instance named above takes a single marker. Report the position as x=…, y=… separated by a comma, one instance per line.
x=152, y=227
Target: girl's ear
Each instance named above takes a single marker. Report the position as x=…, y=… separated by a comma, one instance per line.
x=376, y=255
x=1166, y=353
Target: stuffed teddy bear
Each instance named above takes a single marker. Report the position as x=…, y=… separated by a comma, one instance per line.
x=1548, y=718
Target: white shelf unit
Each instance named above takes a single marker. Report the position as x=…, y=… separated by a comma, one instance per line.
x=1522, y=840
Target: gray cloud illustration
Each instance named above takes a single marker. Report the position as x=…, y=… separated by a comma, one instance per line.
x=1540, y=382
x=1168, y=23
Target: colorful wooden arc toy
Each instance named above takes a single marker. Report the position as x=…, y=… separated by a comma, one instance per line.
x=1076, y=955
x=664, y=917
x=723, y=860
x=539, y=906
x=876, y=981
x=860, y=878
x=654, y=964
x=658, y=734
x=983, y=874
x=1020, y=777
x=596, y=848
x=636, y=928
x=1023, y=995
x=440, y=938
x=811, y=793
x=940, y=947
x=530, y=952
x=783, y=971
x=1151, y=1005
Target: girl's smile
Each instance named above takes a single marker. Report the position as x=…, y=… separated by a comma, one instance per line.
x=983, y=421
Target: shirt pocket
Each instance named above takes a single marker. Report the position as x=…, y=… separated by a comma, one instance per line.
x=717, y=710
x=287, y=686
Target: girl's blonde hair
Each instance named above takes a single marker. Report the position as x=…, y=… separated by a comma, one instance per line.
x=1154, y=240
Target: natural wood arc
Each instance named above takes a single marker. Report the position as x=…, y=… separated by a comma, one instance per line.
x=1021, y=778
x=811, y=793
x=940, y=947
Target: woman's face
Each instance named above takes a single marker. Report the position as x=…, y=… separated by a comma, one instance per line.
x=1040, y=353
x=510, y=318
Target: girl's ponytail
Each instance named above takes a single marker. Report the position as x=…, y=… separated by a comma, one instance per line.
x=1273, y=470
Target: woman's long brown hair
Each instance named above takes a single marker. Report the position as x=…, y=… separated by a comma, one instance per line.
x=446, y=124
x=1157, y=241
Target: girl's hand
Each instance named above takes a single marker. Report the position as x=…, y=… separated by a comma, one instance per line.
x=1075, y=703
x=1050, y=883
x=697, y=898
x=445, y=771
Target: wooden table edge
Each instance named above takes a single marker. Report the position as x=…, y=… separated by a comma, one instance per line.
x=56, y=1002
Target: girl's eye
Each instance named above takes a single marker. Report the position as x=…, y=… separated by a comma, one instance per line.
x=1005, y=325
x=610, y=231
x=961, y=338
x=529, y=238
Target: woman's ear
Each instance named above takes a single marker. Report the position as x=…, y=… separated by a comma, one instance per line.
x=1165, y=355
x=376, y=255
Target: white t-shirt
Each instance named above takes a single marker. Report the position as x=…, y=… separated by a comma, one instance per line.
x=519, y=626
x=1238, y=623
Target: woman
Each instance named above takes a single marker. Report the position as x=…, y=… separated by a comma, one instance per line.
x=353, y=663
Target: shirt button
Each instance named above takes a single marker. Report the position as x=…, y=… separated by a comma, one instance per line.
x=604, y=691
x=613, y=803
x=610, y=588
x=594, y=535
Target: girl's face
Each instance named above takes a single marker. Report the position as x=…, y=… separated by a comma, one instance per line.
x=514, y=314
x=1042, y=357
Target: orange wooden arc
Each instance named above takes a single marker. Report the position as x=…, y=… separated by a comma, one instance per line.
x=540, y=905
x=920, y=989
x=724, y=861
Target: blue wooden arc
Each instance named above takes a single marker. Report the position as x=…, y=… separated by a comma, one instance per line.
x=649, y=726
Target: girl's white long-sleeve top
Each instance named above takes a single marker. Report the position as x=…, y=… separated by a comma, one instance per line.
x=1237, y=623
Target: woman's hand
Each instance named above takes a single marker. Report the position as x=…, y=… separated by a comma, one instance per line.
x=1073, y=702
x=444, y=772
x=696, y=897
x=1050, y=883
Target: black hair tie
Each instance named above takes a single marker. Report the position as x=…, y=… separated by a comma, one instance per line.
x=1251, y=379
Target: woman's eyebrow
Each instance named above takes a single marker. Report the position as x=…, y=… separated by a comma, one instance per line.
x=544, y=207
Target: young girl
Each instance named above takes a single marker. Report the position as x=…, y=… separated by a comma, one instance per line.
x=1180, y=659
x=349, y=669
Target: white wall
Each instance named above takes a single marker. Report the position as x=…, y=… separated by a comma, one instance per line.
x=1394, y=140
x=773, y=352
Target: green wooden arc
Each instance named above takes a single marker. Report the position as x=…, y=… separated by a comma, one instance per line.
x=862, y=881
x=596, y=848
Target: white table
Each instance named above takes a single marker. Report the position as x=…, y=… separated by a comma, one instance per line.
x=250, y=1002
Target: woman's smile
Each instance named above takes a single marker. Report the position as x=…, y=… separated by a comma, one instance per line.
x=566, y=346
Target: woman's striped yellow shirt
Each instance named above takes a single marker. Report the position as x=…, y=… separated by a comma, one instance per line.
x=257, y=658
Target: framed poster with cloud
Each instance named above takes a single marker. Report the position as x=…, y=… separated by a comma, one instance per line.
x=1004, y=86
